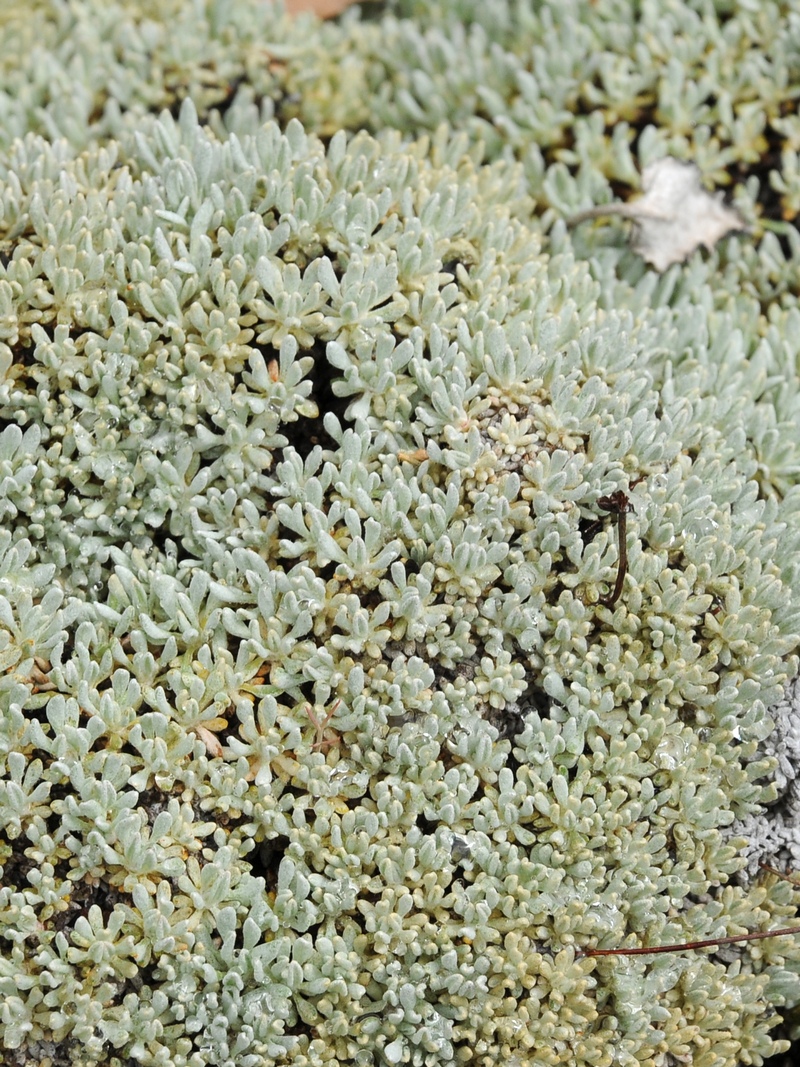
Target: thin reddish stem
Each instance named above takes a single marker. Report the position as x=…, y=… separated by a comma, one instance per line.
x=711, y=942
x=759, y=935
x=618, y=505
x=780, y=874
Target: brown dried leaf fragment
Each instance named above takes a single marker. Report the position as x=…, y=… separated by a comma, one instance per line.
x=675, y=216
x=210, y=740
x=417, y=456
x=325, y=9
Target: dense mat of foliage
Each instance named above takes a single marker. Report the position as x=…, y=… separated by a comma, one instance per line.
x=321, y=739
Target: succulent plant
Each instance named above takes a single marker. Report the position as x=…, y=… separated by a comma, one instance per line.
x=338, y=719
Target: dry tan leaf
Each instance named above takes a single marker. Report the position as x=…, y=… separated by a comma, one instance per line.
x=325, y=9
x=210, y=740
x=675, y=216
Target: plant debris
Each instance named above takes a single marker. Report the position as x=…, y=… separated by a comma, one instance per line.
x=324, y=9
x=675, y=216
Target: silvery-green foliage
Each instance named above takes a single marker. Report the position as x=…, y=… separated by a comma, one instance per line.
x=318, y=743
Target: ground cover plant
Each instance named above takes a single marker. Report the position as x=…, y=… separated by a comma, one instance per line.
x=398, y=584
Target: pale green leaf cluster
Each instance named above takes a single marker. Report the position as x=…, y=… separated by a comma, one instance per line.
x=319, y=745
